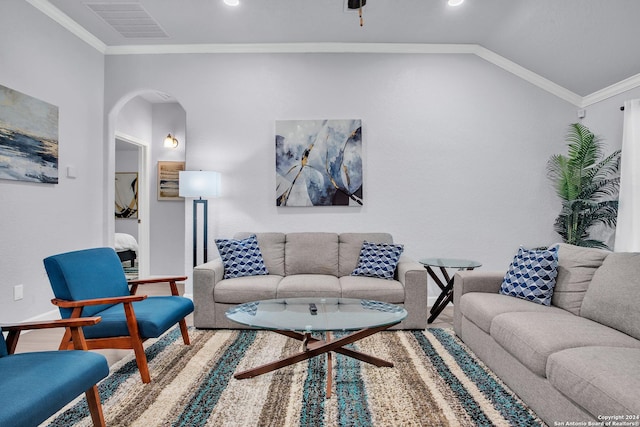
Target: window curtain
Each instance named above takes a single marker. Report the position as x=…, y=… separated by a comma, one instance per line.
x=628, y=224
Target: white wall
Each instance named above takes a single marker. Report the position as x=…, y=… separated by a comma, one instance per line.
x=455, y=149
x=605, y=118
x=167, y=216
x=40, y=58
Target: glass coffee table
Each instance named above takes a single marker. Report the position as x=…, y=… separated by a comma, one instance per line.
x=299, y=318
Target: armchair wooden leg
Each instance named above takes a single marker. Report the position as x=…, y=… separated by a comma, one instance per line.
x=95, y=407
x=185, y=332
x=66, y=343
x=136, y=343
x=141, y=359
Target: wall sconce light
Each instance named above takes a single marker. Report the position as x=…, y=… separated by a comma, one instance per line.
x=199, y=184
x=170, y=142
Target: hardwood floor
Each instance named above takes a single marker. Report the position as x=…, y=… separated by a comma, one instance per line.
x=42, y=340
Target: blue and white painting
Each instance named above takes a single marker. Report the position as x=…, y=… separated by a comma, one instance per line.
x=28, y=138
x=319, y=163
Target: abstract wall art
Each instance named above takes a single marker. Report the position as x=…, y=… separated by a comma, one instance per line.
x=319, y=163
x=28, y=138
x=126, y=196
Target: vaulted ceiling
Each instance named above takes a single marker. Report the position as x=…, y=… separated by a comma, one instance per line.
x=586, y=47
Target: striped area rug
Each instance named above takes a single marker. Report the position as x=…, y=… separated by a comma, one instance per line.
x=436, y=381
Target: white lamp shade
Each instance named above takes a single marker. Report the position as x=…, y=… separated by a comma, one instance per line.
x=199, y=184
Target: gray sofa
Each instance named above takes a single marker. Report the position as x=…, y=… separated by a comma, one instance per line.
x=576, y=360
x=308, y=265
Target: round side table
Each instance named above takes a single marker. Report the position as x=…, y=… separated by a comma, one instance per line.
x=446, y=286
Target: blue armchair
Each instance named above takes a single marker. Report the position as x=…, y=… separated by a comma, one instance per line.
x=34, y=386
x=91, y=282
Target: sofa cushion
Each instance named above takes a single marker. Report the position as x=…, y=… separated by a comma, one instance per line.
x=309, y=285
x=272, y=248
x=390, y=291
x=576, y=266
x=603, y=380
x=613, y=296
x=246, y=289
x=378, y=260
x=482, y=307
x=241, y=257
x=532, y=337
x=350, y=245
x=532, y=275
x=311, y=253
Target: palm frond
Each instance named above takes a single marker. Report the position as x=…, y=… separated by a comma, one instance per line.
x=587, y=183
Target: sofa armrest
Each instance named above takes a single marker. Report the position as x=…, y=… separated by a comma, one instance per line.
x=413, y=277
x=472, y=281
x=205, y=278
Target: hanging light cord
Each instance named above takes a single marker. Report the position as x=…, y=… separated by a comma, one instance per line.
x=360, y=14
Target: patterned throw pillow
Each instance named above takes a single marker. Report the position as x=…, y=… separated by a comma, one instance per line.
x=241, y=257
x=532, y=275
x=378, y=260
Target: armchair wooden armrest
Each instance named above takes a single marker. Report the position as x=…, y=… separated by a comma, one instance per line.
x=97, y=301
x=170, y=279
x=74, y=325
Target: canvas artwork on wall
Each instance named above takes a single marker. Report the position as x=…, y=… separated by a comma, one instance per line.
x=169, y=180
x=28, y=138
x=319, y=163
x=126, y=196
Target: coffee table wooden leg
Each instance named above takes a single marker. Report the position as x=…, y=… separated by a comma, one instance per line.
x=317, y=347
x=254, y=372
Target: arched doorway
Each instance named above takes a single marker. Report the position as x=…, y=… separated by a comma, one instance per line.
x=142, y=120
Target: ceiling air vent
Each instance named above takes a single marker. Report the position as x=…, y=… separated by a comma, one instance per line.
x=131, y=20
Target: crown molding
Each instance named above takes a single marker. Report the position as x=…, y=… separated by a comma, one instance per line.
x=528, y=75
x=290, y=48
x=610, y=91
x=388, y=48
x=72, y=26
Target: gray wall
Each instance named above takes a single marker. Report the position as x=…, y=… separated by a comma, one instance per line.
x=40, y=58
x=167, y=216
x=455, y=148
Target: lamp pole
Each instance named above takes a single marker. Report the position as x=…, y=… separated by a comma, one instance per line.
x=196, y=202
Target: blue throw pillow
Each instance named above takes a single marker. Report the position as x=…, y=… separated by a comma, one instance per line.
x=378, y=260
x=241, y=257
x=532, y=275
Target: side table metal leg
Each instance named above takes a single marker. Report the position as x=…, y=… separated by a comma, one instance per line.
x=329, y=368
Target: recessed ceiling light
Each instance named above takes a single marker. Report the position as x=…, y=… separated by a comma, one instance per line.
x=232, y=2
x=455, y=2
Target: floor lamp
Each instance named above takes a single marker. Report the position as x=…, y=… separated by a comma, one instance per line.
x=199, y=184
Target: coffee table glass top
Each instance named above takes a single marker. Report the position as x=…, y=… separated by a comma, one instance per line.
x=450, y=263
x=331, y=314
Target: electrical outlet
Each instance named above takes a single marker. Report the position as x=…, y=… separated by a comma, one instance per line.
x=18, y=292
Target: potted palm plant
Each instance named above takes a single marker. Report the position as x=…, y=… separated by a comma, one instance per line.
x=587, y=183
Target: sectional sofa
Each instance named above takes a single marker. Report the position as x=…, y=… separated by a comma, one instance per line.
x=309, y=265
x=575, y=361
